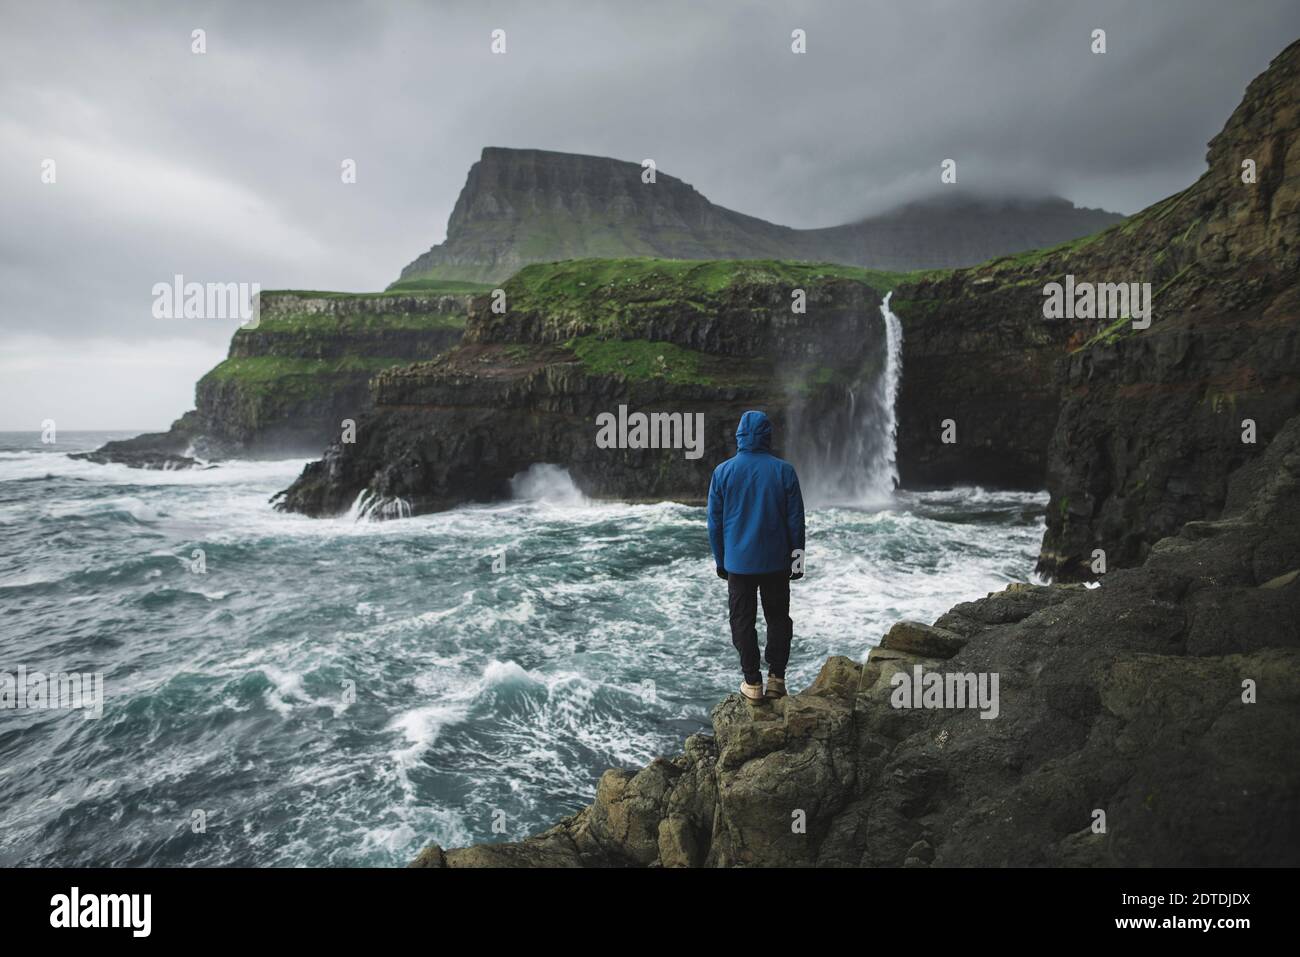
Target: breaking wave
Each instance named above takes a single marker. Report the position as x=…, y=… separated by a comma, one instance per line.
x=341, y=692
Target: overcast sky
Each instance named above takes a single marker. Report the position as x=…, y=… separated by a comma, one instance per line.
x=226, y=166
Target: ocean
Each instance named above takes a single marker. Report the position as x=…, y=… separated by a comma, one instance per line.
x=286, y=691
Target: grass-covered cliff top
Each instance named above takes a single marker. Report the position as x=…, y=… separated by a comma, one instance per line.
x=441, y=287
x=1019, y=273
x=304, y=311
x=432, y=287
x=365, y=311
x=561, y=287
x=334, y=324
x=284, y=375
x=605, y=300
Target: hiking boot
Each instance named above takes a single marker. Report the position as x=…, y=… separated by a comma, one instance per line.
x=751, y=692
x=775, y=687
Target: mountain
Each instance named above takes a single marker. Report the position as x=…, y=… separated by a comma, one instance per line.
x=527, y=206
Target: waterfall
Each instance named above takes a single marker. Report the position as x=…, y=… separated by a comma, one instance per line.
x=882, y=469
x=846, y=443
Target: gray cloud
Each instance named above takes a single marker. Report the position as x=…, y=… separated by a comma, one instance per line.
x=226, y=166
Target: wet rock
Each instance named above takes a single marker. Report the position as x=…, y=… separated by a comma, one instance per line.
x=926, y=641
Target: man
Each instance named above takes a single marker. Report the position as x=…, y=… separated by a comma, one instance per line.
x=756, y=531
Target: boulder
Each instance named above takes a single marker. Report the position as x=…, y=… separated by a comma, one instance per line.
x=925, y=641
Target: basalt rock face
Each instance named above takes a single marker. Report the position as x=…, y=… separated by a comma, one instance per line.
x=978, y=398
x=1134, y=430
x=580, y=339
x=528, y=206
x=457, y=430
x=1153, y=423
x=288, y=383
x=1167, y=700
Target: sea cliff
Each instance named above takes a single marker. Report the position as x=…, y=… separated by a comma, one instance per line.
x=289, y=381
x=1145, y=718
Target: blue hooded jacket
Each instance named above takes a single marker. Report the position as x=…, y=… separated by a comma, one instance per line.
x=755, y=506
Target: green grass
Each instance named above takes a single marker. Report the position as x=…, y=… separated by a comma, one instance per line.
x=604, y=293
x=264, y=375
x=1032, y=256
x=696, y=278
x=639, y=359
x=447, y=287
x=305, y=323
x=1008, y=272
x=407, y=287
x=1110, y=335
x=282, y=317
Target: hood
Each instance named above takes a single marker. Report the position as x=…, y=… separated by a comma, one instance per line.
x=754, y=433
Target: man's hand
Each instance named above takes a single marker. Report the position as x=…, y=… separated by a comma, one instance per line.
x=795, y=576
x=722, y=573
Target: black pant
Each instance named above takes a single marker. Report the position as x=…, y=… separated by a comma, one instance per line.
x=741, y=594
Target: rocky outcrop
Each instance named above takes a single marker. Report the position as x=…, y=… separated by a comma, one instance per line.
x=288, y=383
x=528, y=206
x=1134, y=431
x=580, y=339
x=1149, y=722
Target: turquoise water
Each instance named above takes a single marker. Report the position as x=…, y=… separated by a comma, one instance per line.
x=340, y=692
